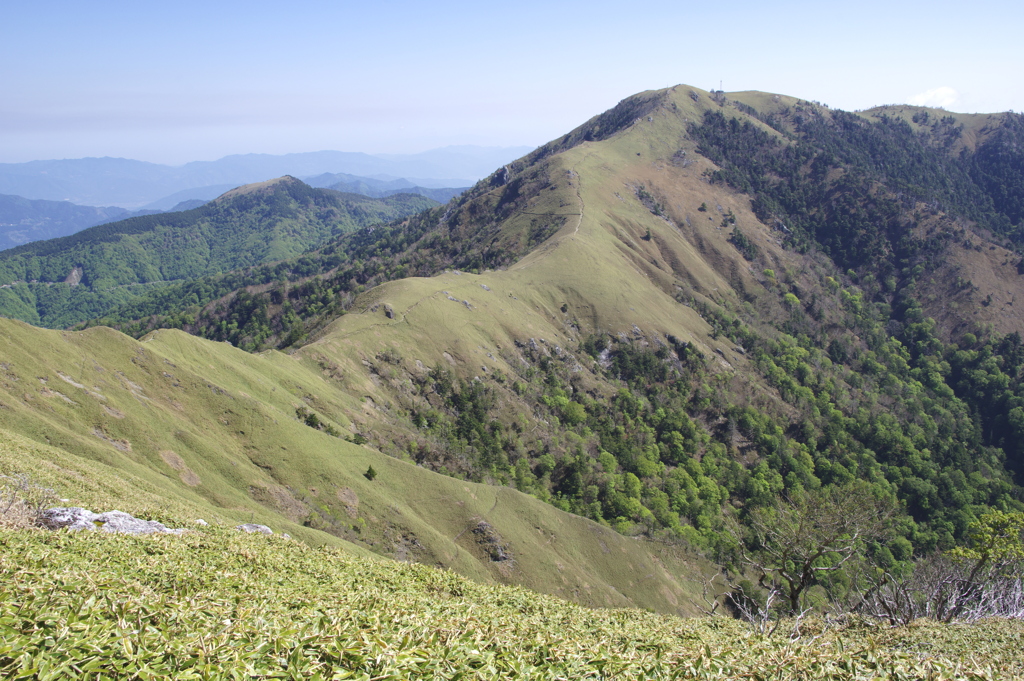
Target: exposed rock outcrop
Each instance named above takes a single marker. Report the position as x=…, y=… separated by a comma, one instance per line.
x=75, y=518
x=496, y=547
x=254, y=528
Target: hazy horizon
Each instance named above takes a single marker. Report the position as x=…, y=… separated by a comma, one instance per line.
x=191, y=81
x=291, y=153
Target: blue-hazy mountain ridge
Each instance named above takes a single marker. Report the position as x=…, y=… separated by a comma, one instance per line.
x=134, y=184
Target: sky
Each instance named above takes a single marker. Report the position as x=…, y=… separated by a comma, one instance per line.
x=185, y=81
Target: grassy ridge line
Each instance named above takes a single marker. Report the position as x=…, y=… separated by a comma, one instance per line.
x=217, y=604
x=491, y=226
x=650, y=237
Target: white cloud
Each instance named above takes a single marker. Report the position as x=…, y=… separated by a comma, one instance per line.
x=941, y=96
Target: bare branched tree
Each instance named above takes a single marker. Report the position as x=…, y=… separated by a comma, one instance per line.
x=708, y=594
x=754, y=609
x=983, y=579
x=804, y=536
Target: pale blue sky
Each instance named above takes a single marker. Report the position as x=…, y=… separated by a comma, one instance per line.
x=174, y=82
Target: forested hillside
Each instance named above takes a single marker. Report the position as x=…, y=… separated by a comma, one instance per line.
x=63, y=281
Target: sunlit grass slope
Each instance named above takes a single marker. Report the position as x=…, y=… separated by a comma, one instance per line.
x=614, y=266
x=216, y=604
x=175, y=428
x=642, y=232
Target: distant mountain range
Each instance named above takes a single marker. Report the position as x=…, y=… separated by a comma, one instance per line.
x=137, y=184
x=378, y=189
x=25, y=220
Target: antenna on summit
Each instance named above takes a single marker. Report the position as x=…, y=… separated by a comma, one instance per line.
x=720, y=88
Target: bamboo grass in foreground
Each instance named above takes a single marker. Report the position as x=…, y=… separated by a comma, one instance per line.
x=217, y=604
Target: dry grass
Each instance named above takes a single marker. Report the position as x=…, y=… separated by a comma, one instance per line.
x=22, y=500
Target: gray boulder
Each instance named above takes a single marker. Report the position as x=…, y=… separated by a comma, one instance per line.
x=75, y=518
x=253, y=527
x=118, y=521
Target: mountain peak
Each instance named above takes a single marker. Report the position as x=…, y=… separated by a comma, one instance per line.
x=261, y=188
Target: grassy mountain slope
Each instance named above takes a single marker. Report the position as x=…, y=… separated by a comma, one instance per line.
x=671, y=266
x=59, y=282
x=662, y=321
x=201, y=429
x=792, y=372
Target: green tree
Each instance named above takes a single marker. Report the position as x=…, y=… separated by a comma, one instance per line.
x=995, y=545
x=808, y=534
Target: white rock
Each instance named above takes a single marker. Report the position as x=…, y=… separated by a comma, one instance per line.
x=253, y=527
x=75, y=518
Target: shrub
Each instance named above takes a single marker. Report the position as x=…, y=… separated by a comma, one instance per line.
x=22, y=500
